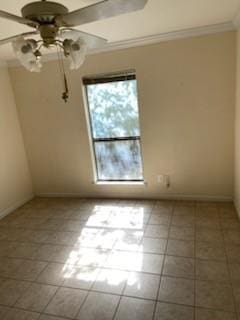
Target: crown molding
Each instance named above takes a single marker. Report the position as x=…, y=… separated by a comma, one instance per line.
x=148, y=40
x=167, y=36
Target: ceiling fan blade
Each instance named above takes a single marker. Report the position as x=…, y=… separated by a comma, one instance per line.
x=10, y=39
x=91, y=40
x=9, y=16
x=102, y=10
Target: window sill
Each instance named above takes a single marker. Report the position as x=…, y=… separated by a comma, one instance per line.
x=120, y=183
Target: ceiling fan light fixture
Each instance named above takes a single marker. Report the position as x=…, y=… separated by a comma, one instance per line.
x=75, y=51
x=24, y=50
x=53, y=22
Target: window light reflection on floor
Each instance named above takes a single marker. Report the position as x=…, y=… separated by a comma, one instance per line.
x=110, y=238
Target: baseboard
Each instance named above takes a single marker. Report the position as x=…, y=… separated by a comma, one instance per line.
x=15, y=206
x=140, y=196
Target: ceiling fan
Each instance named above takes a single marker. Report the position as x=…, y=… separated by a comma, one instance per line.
x=54, y=23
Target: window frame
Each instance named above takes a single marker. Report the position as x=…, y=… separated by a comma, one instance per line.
x=107, y=79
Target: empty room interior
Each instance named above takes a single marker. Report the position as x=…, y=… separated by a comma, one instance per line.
x=120, y=160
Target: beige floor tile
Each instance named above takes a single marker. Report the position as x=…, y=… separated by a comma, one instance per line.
x=51, y=224
x=3, y=311
x=235, y=273
x=203, y=314
x=142, y=285
x=183, y=221
x=2, y=280
x=53, y=253
x=162, y=211
x=209, y=235
x=182, y=233
x=39, y=236
x=212, y=270
x=151, y=263
x=23, y=250
x=142, y=262
x=210, y=207
x=211, y=251
x=123, y=260
x=63, y=238
x=53, y=274
x=214, y=295
x=135, y=309
x=236, y=293
x=98, y=306
x=184, y=203
x=6, y=248
x=3, y=231
x=66, y=302
x=88, y=257
x=36, y=297
x=153, y=245
x=160, y=219
x=11, y=291
x=98, y=238
x=228, y=213
x=233, y=253
x=30, y=270
x=230, y=223
x=178, y=267
x=163, y=205
x=79, y=277
x=184, y=210
x=166, y=311
x=80, y=215
x=128, y=240
x=180, y=248
x=156, y=231
x=110, y=281
x=47, y=317
x=231, y=236
x=126, y=220
x=17, y=314
x=208, y=222
x=177, y=290
x=71, y=241
x=71, y=225
x=9, y=266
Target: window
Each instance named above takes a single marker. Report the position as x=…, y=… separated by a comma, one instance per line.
x=114, y=123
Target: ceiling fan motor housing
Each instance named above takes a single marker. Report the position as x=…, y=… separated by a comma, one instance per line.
x=43, y=12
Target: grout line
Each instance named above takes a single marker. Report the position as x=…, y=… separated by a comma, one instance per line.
x=229, y=273
x=158, y=291
x=114, y=250
x=137, y=298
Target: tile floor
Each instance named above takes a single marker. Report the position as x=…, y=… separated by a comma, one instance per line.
x=115, y=259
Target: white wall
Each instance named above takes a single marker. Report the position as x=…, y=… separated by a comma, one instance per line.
x=15, y=180
x=187, y=99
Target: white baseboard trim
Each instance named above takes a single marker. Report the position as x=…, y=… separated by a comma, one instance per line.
x=15, y=206
x=139, y=196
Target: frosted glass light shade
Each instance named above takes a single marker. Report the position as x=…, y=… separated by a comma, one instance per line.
x=24, y=51
x=76, y=52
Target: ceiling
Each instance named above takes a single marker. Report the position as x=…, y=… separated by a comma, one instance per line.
x=158, y=17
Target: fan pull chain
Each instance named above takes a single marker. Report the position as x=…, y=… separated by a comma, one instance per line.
x=65, y=94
